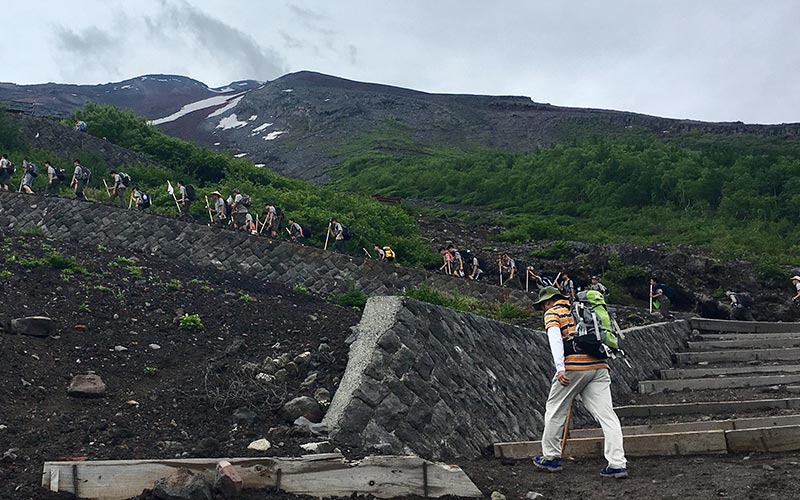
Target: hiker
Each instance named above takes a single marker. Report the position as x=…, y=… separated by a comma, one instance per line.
x=187, y=197
x=539, y=280
x=458, y=261
x=271, y=219
x=658, y=293
x=576, y=375
x=296, y=231
x=796, y=283
x=567, y=286
x=447, y=258
x=239, y=209
x=385, y=253
x=249, y=225
x=336, y=230
x=597, y=286
x=740, y=305
x=6, y=171
x=30, y=171
x=80, y=177
x=140, y=198
x=475, y=268
x=508, y=264
x=54, y=178
x=121, y=181
x=80, y=126
x=220, y=208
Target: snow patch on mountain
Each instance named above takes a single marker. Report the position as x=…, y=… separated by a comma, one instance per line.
x=230, y=121
x=231, y=104
x=274, y=135
x=211, y=102
x=260, y=128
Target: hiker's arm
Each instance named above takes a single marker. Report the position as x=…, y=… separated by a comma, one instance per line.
x=556, y=347
x=796, y=296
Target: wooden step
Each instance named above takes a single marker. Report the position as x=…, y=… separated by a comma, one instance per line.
x=707, y=407
x=680, y=373
x=709, y=425
x=748, y=336
x=765, y=440
x=721, y=325
x=788, y=354
x=713, y=345
x=701, y=384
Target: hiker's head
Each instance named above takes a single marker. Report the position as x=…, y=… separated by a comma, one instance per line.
x=112, y=173
x=653, y=280
x=180, y=183
x=565, y=275
x=47, y=163
x=547, y=297
x=291, y=220
x=76, y=162
x=135, y=188
x=215, y=194
x=376, y=246
x=333, y=219
x=795, y=279
x=595, y=279
x=729, y=292
x=235, y=191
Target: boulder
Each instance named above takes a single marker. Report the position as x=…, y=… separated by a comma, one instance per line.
x=304, y=426
x=322, y=395
x=182, y=485
x=318, y=447
x=228, y=481
x=303, y=406
x=34, y=326
x=87, y=386
x=260, y=445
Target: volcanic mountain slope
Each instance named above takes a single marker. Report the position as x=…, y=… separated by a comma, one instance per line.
x=150, y=96
x=304, y=123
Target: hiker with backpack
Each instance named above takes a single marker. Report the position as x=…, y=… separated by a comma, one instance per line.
x=141, y=198
x=80, y=178
x=31, y=171
x=54, y=177
x=474, y=264
x=240, y=208
x=597, y=286
x=121, y=181
x=272, y=219
x=188, y=195
x=447, y=261
x=577, y=374
x=539, y=280
x=458, y=261
x=220, y=208
x=6, y=171
x=336, y=229
x=658, y=293
x=296, y=231
x=566, y=286
x=384, y=253
x=740, y=305
x=509, y=265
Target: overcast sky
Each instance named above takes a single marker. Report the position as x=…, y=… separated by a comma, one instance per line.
x=718, y=60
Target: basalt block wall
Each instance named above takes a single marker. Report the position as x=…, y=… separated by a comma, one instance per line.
x=428, y=380
x=198, y=245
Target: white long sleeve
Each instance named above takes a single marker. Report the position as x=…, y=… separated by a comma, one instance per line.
x=556, y=347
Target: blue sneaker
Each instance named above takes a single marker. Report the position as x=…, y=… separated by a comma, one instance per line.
x=615, y=473
x=553, y=465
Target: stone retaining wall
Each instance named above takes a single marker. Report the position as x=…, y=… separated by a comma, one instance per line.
x=428, y=380
x=319, y=271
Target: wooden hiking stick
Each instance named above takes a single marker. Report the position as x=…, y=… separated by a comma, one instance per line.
x=263, y=225
x=208, y=207
x=527, y=275
x=566, y=428
x=108, y=192
x=130, y=201
x=327, y=235
x=651, y=298
x=365, y=251
x=500, y=268
x=20, y=182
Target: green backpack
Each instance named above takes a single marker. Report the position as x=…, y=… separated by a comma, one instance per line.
x=598, y=333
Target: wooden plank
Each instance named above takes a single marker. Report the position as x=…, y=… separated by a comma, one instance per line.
x=749, y=336
x=712, y=345
x=710, y=425
x=699, y=384
x=706, y=408
x=721, y=325
x=680, y=373
x=639, y=445
x=765, y=439
x=789, y=354
x=315, y=475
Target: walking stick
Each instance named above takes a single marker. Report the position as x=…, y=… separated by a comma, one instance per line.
x=365, y=251
x=208, y=207
x=500, y=268
x=566, y=428
x=263, y=225
x=130, y=201
x=651, y=299
x=327, y=235
x=20, y=182
x=527, y=275
x=108, y=193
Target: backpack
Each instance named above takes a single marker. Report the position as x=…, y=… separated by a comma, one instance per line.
x=246, y=200
x=10, y=168
x=191, y=195
x=61, y=174
x=228, y=208
x=86, y=174
x=145, y=200
x=744, y=299
x=346, y=234
x=125, y=179
x=388, y=253
x=598, y=333
x=34, y=171
x=278, y=213
x=306, y=231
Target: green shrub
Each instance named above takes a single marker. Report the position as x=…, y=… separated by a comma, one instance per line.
x=135, y=272
x=246, y=298
x=174, y=284
x=298, y=288
x=557, y=250
x=5, y=274
x=191, y=322
x=353, y=297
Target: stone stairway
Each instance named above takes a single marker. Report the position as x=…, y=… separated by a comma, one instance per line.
x=735, y=388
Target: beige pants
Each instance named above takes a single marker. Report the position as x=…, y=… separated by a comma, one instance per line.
x=594, y=388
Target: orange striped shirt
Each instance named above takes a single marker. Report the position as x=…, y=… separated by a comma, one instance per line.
x=560, y=315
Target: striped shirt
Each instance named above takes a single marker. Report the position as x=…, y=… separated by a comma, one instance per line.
x=560, y=316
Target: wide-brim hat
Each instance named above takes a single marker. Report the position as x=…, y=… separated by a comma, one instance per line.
x=547, y=293
x=796, y=278
x=215, y=193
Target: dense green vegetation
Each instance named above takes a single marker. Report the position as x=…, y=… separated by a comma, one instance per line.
x=737, y=196
x=500, y=311
x=369, y=221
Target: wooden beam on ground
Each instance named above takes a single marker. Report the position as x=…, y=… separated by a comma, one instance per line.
x=789, y=354
x=721, y=325
x=708, y=425
x=680, y=373
x=699, y=384
x=641, y=445
x=765, y=439
x=749, y=336
x=321, y=475
x=707, y=408
x=773, y=343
